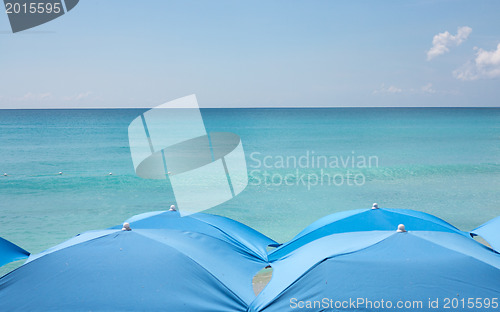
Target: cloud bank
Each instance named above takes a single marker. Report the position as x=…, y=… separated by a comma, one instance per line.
x=485, y=65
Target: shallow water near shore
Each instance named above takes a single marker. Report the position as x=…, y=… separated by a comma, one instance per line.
x=444, y=161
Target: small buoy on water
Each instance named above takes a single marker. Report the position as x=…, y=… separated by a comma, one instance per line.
x=111, y=173
x=60, y=172
x=5, y=174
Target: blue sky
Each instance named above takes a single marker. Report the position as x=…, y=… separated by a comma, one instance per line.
x=120, y=53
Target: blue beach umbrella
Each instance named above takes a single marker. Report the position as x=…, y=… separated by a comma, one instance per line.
x=490, y=231
x=10, y=252
x=385, y=271
x=136, y=270
x=378, y=219
x=241, y=236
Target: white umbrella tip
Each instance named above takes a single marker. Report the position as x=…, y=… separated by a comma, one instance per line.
x=375, y=206
x=401, y=228
x=172, y=208
x=126, y=227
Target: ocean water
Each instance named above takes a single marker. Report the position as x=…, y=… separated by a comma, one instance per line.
x=303, y=164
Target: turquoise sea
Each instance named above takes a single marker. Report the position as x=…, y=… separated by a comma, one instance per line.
x=303, y=164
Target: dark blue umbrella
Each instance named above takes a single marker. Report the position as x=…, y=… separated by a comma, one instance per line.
x=385, y=271
x=378, y=219
x=136, y=270
x=10, y=252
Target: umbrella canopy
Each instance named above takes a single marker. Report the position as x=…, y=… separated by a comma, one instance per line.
x=10, y=252
x=380, y=219
x=490, y=231
x=384, y=271
x=137, y=270
x=243, y=237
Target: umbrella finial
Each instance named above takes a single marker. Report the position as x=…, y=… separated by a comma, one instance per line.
x=401, y=228
x=172, y=208
x=375, y=206
x=126, y=227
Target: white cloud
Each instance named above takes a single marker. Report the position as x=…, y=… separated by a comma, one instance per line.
x=442, y=42
x=428, y=89
x=425, y=89
x=393, y=89
x=388, y=90
x=34, y=96
x=82, y=95
x=485, y=65
x=44, y=96
x=77, y=97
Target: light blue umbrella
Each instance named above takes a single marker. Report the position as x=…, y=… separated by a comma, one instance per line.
x=241, y=236
x=379, y=219
x=490, y=231
x=137, y=270
x=385, y=271
x=10, y=252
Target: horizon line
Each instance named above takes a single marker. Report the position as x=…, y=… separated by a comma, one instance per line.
x=248, y=107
